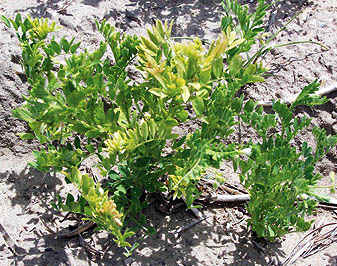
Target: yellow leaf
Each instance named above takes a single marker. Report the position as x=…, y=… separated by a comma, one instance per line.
x=185, y=94
x=149, y=44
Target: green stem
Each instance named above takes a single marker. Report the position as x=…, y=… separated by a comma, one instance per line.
x=284, y=27
x=298, y=42
x=264, y=50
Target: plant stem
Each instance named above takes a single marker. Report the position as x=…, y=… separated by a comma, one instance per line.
x=264, y=50
x=284, y=27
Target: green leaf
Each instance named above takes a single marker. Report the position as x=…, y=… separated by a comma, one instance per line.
x=217, y=67
x=308, y=97
x=16, y=26
x=88, y=211
x=86, y=183
x=271, y=232
x=93, y=133
x=65, y=45
x=198, y=106
x=121, y=189
x=26, y=135
x=59, y=201
x=235, y=65
x=237, y=104
x=255, y=79
x=284, y=113
x=23, y=114
x=74, y=47
x=250, y=70
x=145, y=130
x=182, y=115
x=77, y=143
x=158, y=92
x=249, y=106
x=18, y=19
x=142, y=219
x=128, y=234
x=151, y=230
x=177, y=144
x=6, y=21
x=171, y=122
x=70, y=199
x=205, y=75
x=90, y=148
x=55, y=46
x=54, y=206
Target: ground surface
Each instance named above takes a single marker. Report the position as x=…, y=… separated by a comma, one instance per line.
x=220, y=240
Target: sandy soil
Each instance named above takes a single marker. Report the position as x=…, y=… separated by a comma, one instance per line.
x=222, y=239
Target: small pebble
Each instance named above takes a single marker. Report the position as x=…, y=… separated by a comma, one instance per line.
x=239, y=215
x=334, y=115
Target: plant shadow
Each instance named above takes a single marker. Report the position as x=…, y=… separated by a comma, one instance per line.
x=30, y=187
x=284, y=11
x=41, y=10
x=189, y=17
x=29, y=193
x=223, y=248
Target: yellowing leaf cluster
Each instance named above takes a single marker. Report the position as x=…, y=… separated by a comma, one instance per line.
x=182, y=70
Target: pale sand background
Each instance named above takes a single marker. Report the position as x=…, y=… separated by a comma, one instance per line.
x=25, y=194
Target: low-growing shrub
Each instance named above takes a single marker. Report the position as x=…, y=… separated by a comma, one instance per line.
x=84, y=104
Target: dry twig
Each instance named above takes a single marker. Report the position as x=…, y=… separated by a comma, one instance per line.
x=75, y=232
x=227, y=198
x=196, y=213
x=312, y=243
x=184, y=228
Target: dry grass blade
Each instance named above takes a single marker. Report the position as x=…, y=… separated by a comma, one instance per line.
x=63, y=9
x=312, y=243
x=94, y=253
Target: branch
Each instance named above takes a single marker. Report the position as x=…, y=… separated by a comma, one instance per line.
x=75, y=232
x=227, y=198
x=191, y=224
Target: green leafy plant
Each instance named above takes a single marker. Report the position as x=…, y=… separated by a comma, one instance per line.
x=277, y=175
x=250, y=26
x=83, y=104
